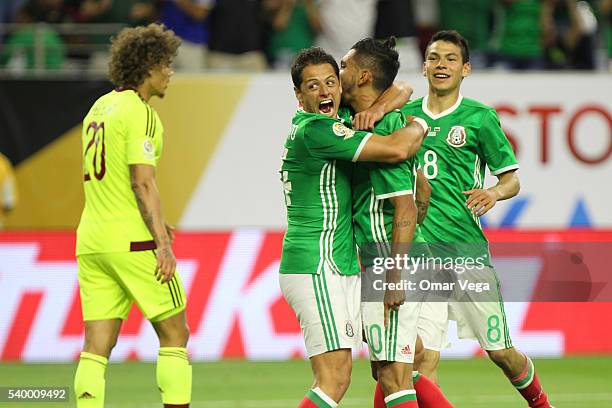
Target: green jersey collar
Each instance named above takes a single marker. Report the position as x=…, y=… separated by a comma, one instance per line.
x=441, y=114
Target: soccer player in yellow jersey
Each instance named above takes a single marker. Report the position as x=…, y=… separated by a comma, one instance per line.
x=123, y=247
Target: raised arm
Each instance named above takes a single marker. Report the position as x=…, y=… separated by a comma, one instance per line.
x=396, y=147
x=480, y=201
x=142, y=177
x=394, y=97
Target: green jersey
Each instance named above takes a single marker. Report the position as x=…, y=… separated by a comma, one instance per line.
x=372, y=186
x=453, y=155
x=316, y=175
x=120, y=129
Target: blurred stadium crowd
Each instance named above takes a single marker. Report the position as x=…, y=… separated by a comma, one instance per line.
x=257, y=35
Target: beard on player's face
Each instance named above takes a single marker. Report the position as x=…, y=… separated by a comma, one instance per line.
x=348, y=86
x=348, y=76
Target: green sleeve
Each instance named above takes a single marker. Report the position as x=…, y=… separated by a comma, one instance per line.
x=391, y=122
x=139, y=123
x=391, y=180
x=327, y=138
x=494, y=145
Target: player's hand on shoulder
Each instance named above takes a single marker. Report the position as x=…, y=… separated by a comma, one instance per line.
x=480, y=201
x=366, y=119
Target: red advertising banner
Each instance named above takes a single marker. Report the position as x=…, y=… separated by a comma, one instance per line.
x=235, y=308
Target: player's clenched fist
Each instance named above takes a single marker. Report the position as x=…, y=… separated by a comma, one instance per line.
x=393, y=300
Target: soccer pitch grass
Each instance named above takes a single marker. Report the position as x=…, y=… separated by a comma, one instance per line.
x=574, y=382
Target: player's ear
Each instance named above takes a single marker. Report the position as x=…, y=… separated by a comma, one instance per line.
x=467, y=69
x=298, y=95
x=364, y=76
x=424, y=71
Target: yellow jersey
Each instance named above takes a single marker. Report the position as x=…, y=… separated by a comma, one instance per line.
x=120, y=129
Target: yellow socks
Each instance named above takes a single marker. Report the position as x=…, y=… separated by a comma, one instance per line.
x=174, y=375
x=89, y=381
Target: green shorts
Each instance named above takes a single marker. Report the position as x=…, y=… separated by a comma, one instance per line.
x=109, y=282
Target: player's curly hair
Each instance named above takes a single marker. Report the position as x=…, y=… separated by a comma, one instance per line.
x=379, y=57
x=135, y=51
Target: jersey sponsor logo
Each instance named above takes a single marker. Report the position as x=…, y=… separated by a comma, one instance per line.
x=341, y=130
x=456, y=136
x=349, y=329
x=148, y=150
x=434, y=131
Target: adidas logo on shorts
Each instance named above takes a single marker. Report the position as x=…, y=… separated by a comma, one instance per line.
x=406, y=350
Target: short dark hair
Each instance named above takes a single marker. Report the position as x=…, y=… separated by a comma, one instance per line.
x=311, y=56
x=135, y=51
x=453, y=37
x=379, y=57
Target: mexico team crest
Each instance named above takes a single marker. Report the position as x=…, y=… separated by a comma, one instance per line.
x=456, y=137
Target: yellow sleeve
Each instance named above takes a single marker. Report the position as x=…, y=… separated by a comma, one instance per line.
x=140, y=123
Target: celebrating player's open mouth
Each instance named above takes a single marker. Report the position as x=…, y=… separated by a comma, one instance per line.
x=326, y=106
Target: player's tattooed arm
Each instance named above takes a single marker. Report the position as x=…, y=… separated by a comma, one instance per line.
x=423, y=194
x=401, y=224
x=142, y=177
x=394, y=97
x=480, y=201
x=404, y=220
